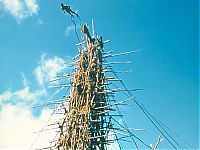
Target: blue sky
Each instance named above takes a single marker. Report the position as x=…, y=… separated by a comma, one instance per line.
x=37, y=42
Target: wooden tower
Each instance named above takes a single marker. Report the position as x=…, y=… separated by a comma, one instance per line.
x=87, y=121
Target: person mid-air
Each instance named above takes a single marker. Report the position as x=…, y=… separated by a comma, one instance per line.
x=66, y=8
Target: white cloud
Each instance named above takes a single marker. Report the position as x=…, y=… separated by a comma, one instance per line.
x=17, y=123
x=20, y=9
x=6, y=95
x=69, y=29
x=32, y=6
x=22, y=95
x=48, y=69
x=17, y=128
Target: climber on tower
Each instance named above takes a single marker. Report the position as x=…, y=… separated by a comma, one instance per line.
x=66, y=8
